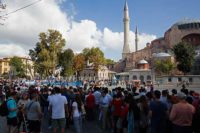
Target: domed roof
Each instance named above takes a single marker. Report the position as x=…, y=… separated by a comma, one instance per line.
x=161, y=55
x=187, y=21
x=143, y=62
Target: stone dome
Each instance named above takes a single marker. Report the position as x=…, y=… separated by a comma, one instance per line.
x=187, y=24
x=143, y=62
x=187, y=21
x=161, y=55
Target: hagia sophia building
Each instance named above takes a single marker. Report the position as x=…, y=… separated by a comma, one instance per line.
x=186, y=30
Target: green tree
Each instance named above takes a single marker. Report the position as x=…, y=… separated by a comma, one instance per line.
x=78, y=64
x=184, y=55
x=164, y=66
x=66, y=60
x=94, y=55
x=17, y=67
x=110, y=62
x=47, y=51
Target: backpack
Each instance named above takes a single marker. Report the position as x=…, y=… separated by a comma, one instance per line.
x=4, y=109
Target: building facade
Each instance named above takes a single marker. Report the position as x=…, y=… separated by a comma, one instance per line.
x=5, y=67
x=130, y=59
x=140, y=74
x=187, y=30
x=127, y=68
x=90, y=74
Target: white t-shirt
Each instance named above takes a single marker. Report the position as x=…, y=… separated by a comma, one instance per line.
x=75, y=107
x=58, y=102
x=49, y=98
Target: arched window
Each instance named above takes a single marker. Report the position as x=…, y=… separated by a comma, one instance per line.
x=134, y=77
x=142, y=78
x=148, y=77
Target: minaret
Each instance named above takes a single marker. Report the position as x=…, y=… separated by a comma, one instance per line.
x=126, y=20
x=136, y=39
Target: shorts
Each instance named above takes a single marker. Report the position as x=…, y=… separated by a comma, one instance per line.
x=58, y=123
x=12, y=121
x=34, y=125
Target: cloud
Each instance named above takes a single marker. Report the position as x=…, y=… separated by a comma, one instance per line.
x=24, y=26
x=9, y=50
x=20, y=30
x=83, y=34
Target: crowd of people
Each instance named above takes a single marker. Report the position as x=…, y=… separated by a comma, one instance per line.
x=120, y=110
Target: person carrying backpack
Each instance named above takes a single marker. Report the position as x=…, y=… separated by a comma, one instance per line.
x=12, y=113
x=34, y=114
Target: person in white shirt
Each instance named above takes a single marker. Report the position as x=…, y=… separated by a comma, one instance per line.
x=58, y=108
x=76, y=113
x=104, y=104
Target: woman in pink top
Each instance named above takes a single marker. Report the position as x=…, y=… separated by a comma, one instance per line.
x=181, y=115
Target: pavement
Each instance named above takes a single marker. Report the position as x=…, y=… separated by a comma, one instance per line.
x=194, y=87
x=88, y=127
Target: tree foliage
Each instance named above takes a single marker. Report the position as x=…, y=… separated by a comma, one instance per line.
x=110, y=62
x=17, y=67
x=164, y=66
x=47, y=51
x=66, y=61
x=94, y=55
x=48, y=55
x=184, y=54
x=79, y=63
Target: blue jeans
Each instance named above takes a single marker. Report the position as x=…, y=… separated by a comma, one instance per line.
x=78, y=124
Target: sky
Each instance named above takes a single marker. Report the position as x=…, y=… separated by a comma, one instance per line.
x=90, y=23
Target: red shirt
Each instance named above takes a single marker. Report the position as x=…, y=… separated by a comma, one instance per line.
x=124, y=111
x=90, y=101
x=117, y=104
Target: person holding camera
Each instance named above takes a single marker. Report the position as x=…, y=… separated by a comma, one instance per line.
x=21, y=106
x=34, y=114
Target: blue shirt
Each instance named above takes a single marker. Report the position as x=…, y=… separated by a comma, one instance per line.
x=158, y=113
x=11, y=104
x=105, y=101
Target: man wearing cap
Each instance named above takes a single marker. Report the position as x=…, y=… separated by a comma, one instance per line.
x=181, y=115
